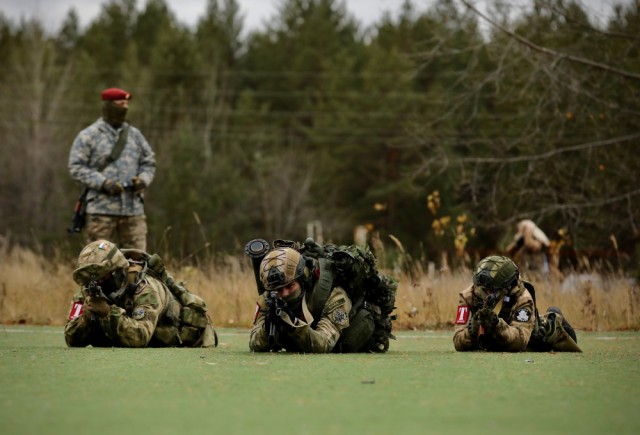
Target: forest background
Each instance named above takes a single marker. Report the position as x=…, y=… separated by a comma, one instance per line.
x=440, y=128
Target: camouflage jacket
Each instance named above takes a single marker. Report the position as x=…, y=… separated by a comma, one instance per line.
x=302, y=337
x=90, y=150
x=516, y=324
x=154, y=319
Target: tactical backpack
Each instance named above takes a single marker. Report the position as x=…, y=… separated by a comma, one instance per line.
x=354, y=269
x=190, y=318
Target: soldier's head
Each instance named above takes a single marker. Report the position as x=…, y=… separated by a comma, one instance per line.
x=493, y=274
x=101, y=261
x=115, y=103
x=281, y=270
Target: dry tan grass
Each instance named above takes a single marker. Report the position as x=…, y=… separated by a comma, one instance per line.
x=35, y=289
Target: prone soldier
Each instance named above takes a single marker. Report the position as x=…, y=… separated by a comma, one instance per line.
x=498, y=313
x=132, y=302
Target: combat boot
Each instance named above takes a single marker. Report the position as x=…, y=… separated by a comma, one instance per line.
x=565, y=324
x=557, y=334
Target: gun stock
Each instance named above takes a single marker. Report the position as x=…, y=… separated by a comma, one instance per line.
x=79, y=218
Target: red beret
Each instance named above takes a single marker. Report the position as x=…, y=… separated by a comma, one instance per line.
x=113, y=94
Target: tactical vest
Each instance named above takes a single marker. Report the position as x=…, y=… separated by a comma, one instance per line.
x=184, y=321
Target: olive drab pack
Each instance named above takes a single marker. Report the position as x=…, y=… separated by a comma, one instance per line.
x=372, y=294
x=191, y=317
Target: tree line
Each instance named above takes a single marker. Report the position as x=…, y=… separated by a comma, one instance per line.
x=498, y=116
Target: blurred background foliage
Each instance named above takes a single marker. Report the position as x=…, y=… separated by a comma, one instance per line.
x=317, y=119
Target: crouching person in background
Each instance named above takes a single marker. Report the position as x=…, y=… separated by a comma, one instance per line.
x=127, y=299
x=498, y=313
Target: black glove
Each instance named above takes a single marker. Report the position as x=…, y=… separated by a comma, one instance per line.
x=487, y=318
x=112, y=187
x=138, y=185
x=97, y=306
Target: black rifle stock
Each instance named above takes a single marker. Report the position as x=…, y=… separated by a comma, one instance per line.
x=79, y=218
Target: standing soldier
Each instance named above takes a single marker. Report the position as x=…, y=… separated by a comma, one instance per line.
x=498, y=313
x=115, y=163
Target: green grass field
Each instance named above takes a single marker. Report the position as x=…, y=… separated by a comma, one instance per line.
x=421, y=386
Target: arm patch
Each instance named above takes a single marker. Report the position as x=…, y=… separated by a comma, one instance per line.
x=339, y=317
x=463, y=315
x=335, y=304
x=523, y=315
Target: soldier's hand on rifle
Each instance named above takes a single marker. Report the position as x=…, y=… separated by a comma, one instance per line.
x=487, y=318
x=97, y=306
x=112, y=187
x=138, y=185
x=284, y=311
x=474, y=325
x=262, y=303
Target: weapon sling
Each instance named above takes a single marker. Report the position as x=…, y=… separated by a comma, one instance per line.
x=79, y=209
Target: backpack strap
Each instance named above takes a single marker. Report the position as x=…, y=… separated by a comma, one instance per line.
x=117, y=148
x=322, y=290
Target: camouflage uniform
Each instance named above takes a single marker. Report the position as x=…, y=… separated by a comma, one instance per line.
x=517, y=321
x=113, y=216
x=301, y=336
x=149, y=315
x=511, y=324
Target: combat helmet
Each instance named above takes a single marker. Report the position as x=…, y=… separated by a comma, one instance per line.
x=495, y=273
x=281, y=267
x=98, y=260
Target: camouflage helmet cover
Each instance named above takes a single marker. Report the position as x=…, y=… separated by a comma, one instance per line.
x=98, y=259
x=495, y=273
x=281, y=267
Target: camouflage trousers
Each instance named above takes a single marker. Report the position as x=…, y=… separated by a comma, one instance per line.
x=124, y=231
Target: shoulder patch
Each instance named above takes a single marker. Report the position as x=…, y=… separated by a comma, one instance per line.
x=523, y=315
x=339, y=316
x=333, y=305
x=138, y=313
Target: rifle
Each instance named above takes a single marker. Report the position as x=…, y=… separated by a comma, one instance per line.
x=270, y=322
x=489, y=304
x=273, y=321
x=79, y=218
x=95, y=291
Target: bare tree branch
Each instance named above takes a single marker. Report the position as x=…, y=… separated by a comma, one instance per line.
x=551, y=153
x=553, y=53
x=590, y=27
